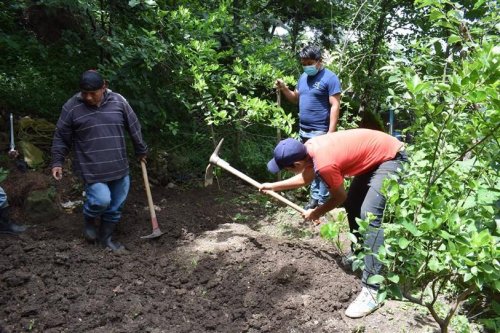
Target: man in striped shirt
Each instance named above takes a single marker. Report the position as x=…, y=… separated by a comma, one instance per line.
x=93, y=124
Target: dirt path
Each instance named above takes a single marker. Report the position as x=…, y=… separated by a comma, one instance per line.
x=224, y=265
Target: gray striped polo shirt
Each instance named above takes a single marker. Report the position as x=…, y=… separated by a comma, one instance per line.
x=97, y=137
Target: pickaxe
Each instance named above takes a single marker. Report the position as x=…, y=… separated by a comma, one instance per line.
x=216, y=160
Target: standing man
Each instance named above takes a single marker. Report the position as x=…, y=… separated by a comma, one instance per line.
x=7, y=226
x=318, y=95
x=93, y=123
x=368, y=155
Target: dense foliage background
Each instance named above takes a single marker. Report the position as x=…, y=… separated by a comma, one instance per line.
x=197, y=71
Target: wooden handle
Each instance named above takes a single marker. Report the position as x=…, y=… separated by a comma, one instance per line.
x=152, y=212
x=223, y=164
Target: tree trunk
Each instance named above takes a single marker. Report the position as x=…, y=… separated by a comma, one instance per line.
x=103, y=27
x=294, y=34
x=380, y=32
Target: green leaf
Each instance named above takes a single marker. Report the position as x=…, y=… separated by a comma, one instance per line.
x=434, y=265
x=424, y=3
x=381, y=296
x=488, y=196
x=478, y=96
x=133, y=3
x=357, y=264
x=469, y=262
x=436, y=14
x=443, y=86
x=329, y=231
x=393, y=277
x=352, y=238
x=393, y=78
x=415, y=81
x=412, y=229
x=375, y=279
x=422, y=87
x=445, y=24
x=395, y=291
x=479, y=281
x=445, y=235
x=403, y=243
x=497, y=285
x=3, y=174
x=488, y=269
x=478, y=4
x=453, y=39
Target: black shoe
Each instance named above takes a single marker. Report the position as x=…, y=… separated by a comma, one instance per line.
x=89, y=228
x=7, y=226
x=106, y=230
x=313, y=203
x=11, y=228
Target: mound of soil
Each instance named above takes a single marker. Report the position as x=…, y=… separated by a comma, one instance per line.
x=226, y=263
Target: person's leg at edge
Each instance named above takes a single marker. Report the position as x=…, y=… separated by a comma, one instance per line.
x=355, y=197
x=374, y=203
x=7, y=226
x=98, y=198
x=119, y=190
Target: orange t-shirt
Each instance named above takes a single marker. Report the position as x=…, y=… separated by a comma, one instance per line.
x=350, y=153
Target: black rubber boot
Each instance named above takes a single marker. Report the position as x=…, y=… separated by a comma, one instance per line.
x=105, y=233
x=7, y=226
x=90, y=228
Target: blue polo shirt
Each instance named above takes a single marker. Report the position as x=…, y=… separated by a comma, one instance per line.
x=314, y=104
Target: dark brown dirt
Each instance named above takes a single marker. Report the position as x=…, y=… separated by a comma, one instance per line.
x=216, y=269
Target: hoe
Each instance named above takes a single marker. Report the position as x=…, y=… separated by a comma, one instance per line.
x=154, y=222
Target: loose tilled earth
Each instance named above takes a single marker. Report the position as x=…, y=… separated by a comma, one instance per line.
x=226, y=263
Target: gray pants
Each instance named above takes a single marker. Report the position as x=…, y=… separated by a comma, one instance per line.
x=365, y=197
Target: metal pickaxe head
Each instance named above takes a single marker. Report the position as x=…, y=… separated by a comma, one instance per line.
x=12, y=144
x=209, y=172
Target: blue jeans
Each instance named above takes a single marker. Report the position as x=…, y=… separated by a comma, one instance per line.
x=319, y=190
x=3, y=199
x=364, y=196
x=106, y=199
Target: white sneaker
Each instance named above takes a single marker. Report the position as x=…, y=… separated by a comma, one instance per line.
x=364, y=304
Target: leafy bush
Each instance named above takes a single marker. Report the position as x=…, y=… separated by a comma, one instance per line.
x=441, y=224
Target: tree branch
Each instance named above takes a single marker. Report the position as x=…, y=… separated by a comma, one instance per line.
x=461, y=297
x=461, y=156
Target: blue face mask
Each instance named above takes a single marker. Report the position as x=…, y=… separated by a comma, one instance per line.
x=310, y=70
